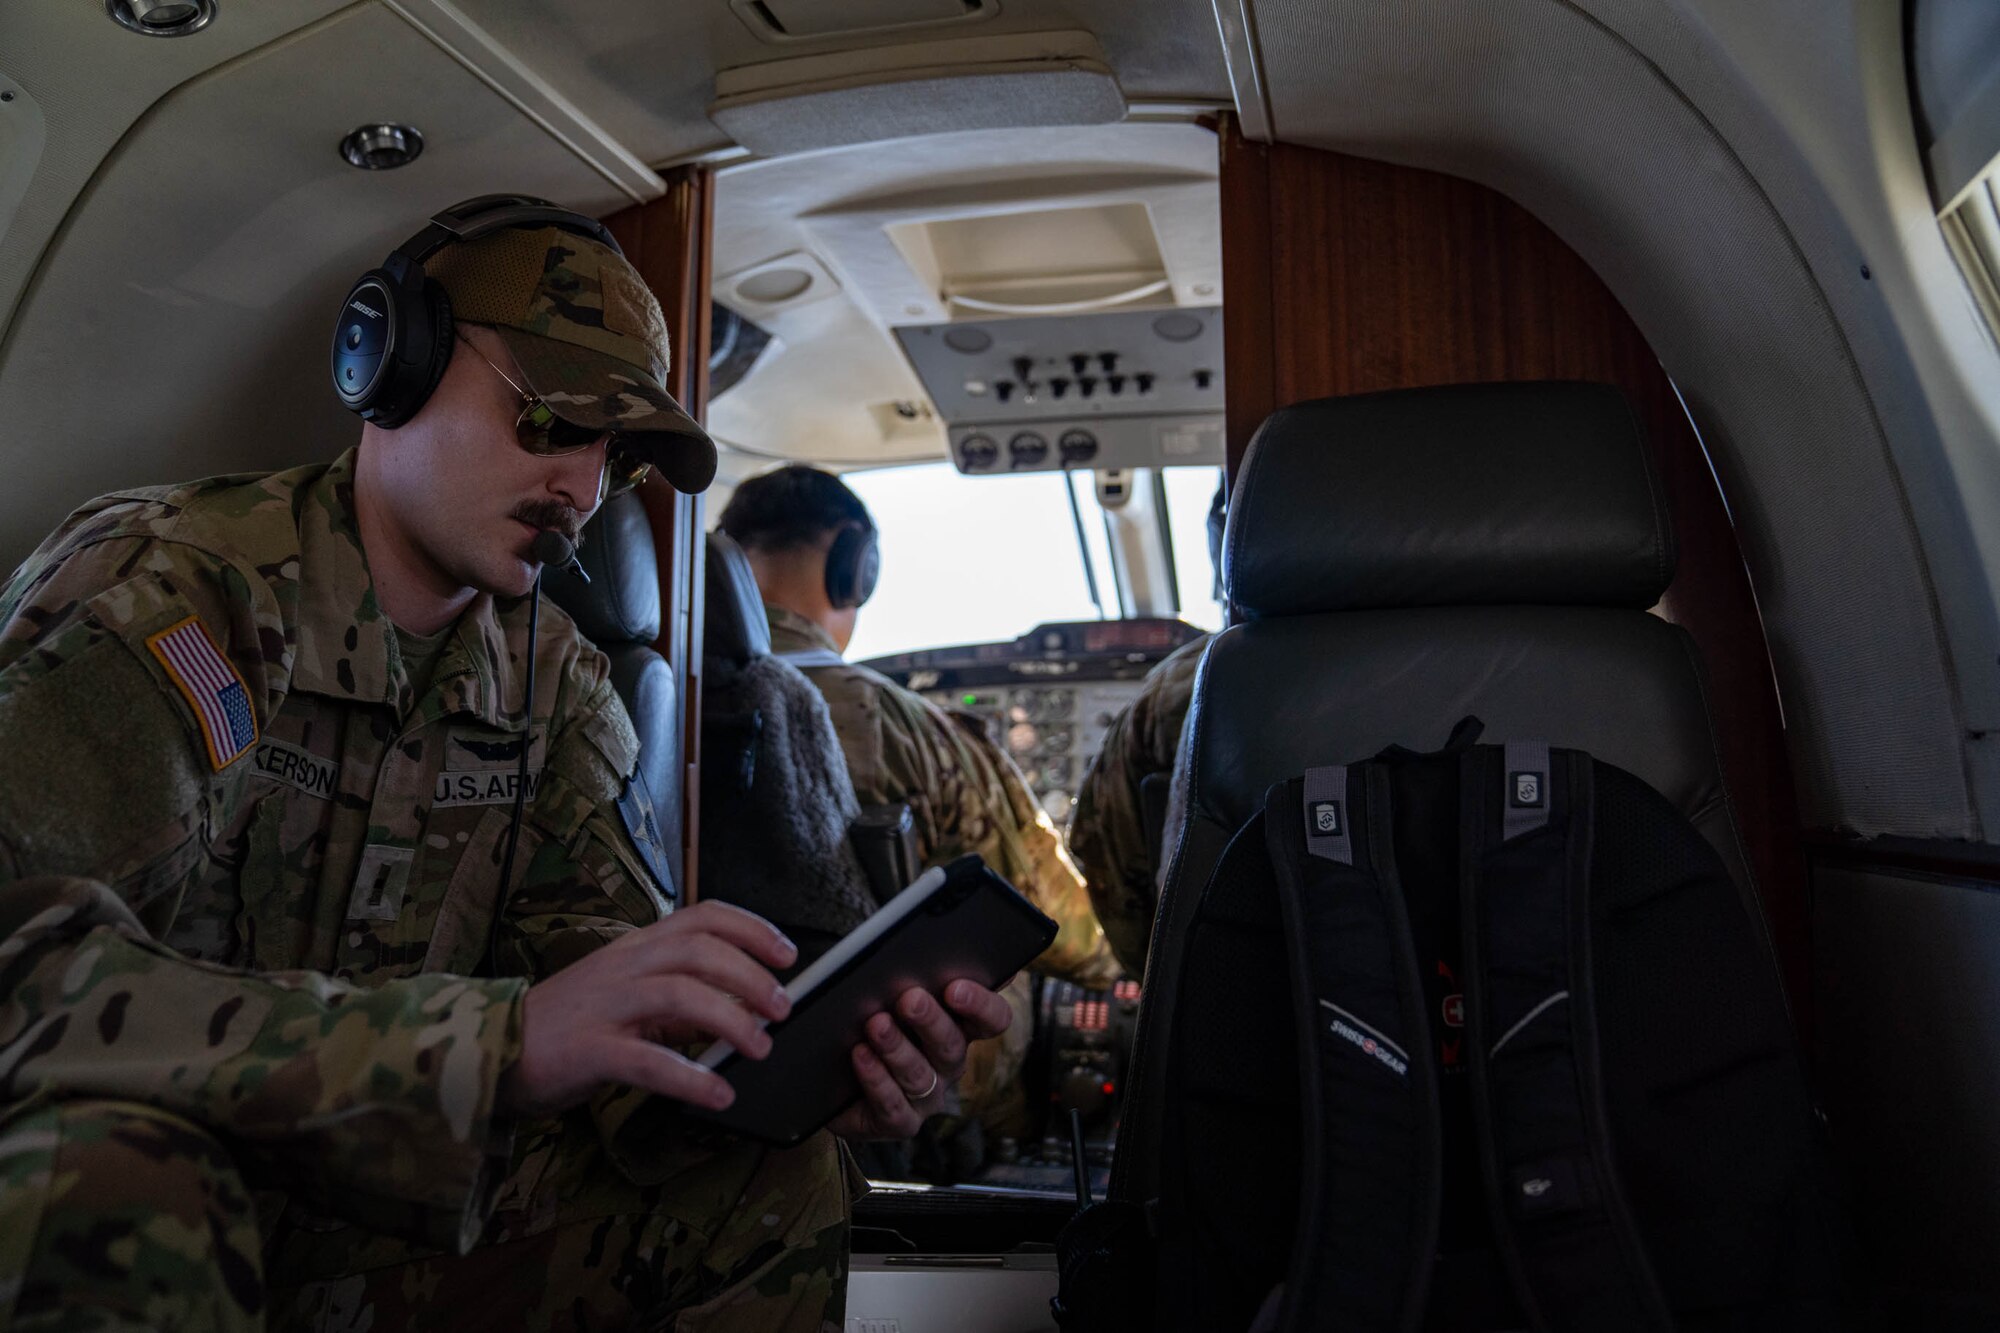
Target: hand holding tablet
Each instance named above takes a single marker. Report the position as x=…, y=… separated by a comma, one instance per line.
x=959, y=921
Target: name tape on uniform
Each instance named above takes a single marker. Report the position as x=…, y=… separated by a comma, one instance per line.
x=286, y=763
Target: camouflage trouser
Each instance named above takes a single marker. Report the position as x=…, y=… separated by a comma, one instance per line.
x=117, y=1216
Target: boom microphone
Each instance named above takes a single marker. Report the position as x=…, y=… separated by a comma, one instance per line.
x=552, y=548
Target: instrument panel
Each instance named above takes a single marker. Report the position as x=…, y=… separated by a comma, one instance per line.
x=1048, y=697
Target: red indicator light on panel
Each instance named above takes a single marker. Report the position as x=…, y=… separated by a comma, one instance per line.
x=1109, y=1089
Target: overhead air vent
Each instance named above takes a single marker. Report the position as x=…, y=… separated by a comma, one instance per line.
x=818, y=20
x=777, y=284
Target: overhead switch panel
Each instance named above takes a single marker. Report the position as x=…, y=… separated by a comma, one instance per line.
x=1128, y=388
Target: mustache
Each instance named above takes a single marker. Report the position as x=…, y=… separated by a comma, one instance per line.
x=554, y=515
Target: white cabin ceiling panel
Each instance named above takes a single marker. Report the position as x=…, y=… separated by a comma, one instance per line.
x=645, y=70
x=90, y=80
x=178, y=326
x=1622, y=126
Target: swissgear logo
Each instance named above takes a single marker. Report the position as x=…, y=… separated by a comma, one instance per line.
x=1454, y=1011
x=1525, y=790
x=1370, y=1046
x=1326, y=818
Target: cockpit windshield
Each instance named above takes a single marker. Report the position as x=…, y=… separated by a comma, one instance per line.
x=984, y=559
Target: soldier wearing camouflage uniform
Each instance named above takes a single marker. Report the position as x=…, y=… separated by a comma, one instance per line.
x=965, y=794
x=277, y=1049
x=1107, y=828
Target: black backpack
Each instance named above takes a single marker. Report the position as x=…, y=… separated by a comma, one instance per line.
x=1486, y=1039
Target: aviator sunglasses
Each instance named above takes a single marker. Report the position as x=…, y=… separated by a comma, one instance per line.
x=541, y=432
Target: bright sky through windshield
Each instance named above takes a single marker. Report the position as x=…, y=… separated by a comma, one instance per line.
x=1190, y=490
x=968, y=559
x=982, y=559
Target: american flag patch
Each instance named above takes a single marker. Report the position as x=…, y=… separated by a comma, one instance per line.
x=212, y=687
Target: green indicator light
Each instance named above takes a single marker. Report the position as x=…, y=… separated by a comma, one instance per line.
x=971, y=699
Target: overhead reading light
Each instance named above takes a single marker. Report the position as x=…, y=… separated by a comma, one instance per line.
x=382, y=147
x=161, y=18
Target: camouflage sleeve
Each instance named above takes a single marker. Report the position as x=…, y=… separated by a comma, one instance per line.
x=1107, y=830
x=975, y=800
x=376, y=1104
x=379, y=1104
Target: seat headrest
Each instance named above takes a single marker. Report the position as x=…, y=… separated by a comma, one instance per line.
x=1477, y=494
x=734, y=627
x=621, y=603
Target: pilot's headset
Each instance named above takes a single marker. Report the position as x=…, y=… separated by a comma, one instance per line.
x=853, y=564
x=393, y=339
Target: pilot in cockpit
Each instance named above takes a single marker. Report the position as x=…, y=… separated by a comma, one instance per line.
x=811, y=544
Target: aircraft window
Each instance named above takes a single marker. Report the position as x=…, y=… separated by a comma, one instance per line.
x=969, y=559
x=1088, y=517
x=1189, y=491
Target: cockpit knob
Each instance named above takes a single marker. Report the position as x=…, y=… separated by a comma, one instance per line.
x=1082, y=1090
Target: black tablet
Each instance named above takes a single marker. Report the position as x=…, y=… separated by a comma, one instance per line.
x=956, y=921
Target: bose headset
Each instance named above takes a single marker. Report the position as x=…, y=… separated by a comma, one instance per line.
x=853, y=564
x=393, y=339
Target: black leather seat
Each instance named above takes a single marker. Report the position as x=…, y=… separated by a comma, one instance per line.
x=619, y=611
x=1400, y=561
x=777, y=804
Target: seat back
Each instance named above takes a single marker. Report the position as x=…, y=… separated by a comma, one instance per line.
x=776, y=800
x=618, y=609
x=1401, y=561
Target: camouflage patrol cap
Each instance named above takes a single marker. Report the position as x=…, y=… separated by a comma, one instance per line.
x=587, y=333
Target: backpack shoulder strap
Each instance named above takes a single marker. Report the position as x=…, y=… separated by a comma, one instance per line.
x=1560, y=1218
x=1368, y=1215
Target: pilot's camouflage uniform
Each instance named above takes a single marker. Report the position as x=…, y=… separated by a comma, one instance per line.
x=1107, y=831
x=250, y=1044
x=965, y=795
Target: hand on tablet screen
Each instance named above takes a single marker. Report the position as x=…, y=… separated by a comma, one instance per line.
x=901, y=1079
x=607, y=1017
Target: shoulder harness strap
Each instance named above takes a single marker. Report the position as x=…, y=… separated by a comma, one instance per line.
x=1559, y=1216
x=1369, y=1216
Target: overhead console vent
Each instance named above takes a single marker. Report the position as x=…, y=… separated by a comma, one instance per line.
x=1128, y=388
x=1007, y=81
x=819, y=20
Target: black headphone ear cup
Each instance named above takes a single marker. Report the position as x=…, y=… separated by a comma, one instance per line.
x=867, y=569
x=424, y=351
x=852, y=566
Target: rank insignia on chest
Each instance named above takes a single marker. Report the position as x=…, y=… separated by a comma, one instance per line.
x=212, y=687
